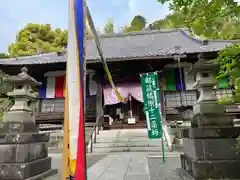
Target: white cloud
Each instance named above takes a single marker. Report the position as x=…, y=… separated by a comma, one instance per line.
x=150, y=9
x=132, y=5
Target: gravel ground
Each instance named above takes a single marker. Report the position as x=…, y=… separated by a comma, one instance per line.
x=160, y=171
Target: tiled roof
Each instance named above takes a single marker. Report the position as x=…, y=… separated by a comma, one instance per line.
x=136, y=45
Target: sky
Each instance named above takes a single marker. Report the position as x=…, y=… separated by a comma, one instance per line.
x=15, y=14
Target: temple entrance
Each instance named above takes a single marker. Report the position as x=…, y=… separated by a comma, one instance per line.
x=128, y=115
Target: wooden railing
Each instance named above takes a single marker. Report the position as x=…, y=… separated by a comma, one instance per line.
x=51, y=105
x=52, y=110
x=189, y=97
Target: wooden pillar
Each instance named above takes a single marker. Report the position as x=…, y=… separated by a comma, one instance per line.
x=162, y=102
x=99, y=100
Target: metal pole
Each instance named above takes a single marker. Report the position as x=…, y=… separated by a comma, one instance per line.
x=163, y=151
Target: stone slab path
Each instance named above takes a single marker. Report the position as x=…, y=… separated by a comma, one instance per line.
x=126, y=166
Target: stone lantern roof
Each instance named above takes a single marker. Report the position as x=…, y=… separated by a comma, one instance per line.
x=22, y=78
x=203, y=65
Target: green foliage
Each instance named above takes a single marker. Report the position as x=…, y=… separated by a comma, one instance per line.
x=226, y=100
x=216, y=19
x=138, y=23
x=38, y=38
x=229, y=61
x=109, y=27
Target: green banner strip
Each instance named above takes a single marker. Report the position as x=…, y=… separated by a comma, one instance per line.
x=152, y=107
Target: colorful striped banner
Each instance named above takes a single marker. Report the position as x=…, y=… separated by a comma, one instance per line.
x=180, y=83
x=50, y=91
x=58, y=91
x=52, y=87
x=42, y=89
x=75, y=88
x=171, y=80
x=59, y=86
x=174, y=80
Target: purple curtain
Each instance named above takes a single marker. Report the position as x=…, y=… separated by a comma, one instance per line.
x=135, y=91
x=110, y=95
x=125, y=90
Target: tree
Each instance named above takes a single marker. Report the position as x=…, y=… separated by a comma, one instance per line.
x=109, y=27
x=174, y=20
x=138, y=23
x=38, y=38
x=127, y=29
x=3, y=56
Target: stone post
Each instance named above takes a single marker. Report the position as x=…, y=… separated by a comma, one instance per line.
x=210, y=143
x=23, y=151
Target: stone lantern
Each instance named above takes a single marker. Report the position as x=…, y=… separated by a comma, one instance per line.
x=209, y=145
x=22, y=95
x=23, y=150
x=207, y=112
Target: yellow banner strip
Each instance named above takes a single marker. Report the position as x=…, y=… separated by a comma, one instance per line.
x=91, y=29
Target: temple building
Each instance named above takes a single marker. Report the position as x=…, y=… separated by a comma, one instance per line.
x=169, y=52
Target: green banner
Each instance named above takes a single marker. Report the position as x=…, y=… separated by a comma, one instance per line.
x=151, y=97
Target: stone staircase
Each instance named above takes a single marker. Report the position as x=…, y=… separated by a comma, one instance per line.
x=127, y=140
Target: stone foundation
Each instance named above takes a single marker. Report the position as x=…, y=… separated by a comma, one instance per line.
x=208, y=169
x=210, y=152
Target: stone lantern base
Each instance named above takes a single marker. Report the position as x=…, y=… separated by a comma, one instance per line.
x=23, y=152
x=19, y=116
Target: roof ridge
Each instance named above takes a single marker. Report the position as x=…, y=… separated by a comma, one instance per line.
x=28, y=57
x=144, y=32
x=209, y=40
x=194, y=38
x=224, y=40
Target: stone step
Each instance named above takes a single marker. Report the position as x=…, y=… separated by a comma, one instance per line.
x=55, y=144
x=125, y=139
x=107, y=137
x=55, y=150
x=128, y=144
x=128, y=149
x=139, y=131
x=147, y=154
x=131, y=144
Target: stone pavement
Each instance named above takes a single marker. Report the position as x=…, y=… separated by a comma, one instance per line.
x=120, y=167
x=126, y=166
